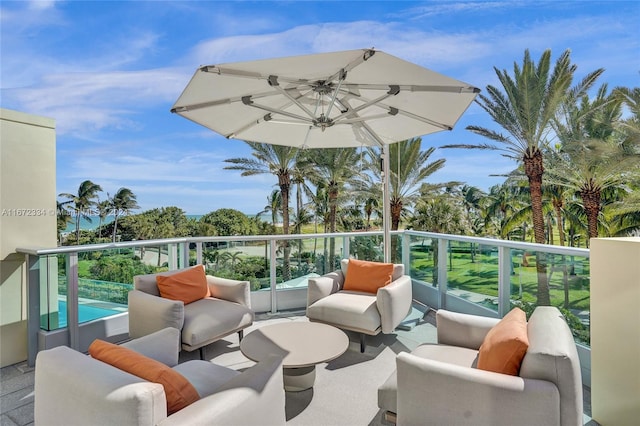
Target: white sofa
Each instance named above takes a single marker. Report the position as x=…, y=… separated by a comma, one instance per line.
x=202, y=322
x=72, y=388
x=439, y=384
x=364, y=313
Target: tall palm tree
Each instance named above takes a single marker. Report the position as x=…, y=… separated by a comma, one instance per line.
x=273, y=206
x=371, y=205
x=334, y=169
x=593, y=157
x=62, y=220
x=525, y=107
x=122, y=202
x=82, y=202
x=277, y=160
x=104, y=208
x=409, y=167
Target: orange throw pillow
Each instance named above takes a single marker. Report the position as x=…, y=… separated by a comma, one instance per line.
x=367, y=276
x=178, y=390
x=505, y=345
x=188, y=285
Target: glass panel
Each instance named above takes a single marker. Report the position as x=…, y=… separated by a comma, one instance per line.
x=567, y=280
x=472, y=273
x=367, y=248
x=51, y=273
x=422, y=259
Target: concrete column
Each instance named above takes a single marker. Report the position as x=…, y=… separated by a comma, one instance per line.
x=27, y=217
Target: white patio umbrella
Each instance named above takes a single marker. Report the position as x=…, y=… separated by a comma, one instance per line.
x=329, y=100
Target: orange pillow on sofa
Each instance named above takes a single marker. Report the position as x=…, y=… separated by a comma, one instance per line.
x=178, y=390
x=367, y=276
x=505, y=345
x=188, y=285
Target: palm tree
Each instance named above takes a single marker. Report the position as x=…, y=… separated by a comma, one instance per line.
x=62, y=220
x=274, y=204
x=122, y=202
x=82, y=202
x=409, y=167
x=277, y=160
x=525, y=108
x=333, y=169
x=104, y=208
x=371, y=204
x=593, y=157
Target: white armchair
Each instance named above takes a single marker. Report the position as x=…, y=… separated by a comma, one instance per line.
x=202, y=322
x=72, y=388
x=362, y=312
x=440, y=384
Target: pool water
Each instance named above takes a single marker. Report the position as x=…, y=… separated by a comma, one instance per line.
x=85, y=313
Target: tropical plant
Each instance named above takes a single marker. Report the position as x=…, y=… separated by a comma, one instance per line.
x=525, y=107
x=277, y=160
x=335, y=169
x=593, y=159
x=81, y=203
x=123, y=201
x=274, y=205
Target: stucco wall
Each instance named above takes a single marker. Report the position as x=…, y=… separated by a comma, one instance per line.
x=27, y=216
x=615, y=339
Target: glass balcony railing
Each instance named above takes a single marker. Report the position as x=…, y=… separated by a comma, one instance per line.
x=79, y=284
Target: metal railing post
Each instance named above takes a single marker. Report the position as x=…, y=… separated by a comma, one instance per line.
x=406, y=253
x=199, y=253
x=33, y=307
x=272, y=275
x=72, y=300
x=172, y=256
x=346, y=250
x=504, y=280
x=443, y=248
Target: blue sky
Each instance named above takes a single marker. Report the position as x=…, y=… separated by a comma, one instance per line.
x=108, y=73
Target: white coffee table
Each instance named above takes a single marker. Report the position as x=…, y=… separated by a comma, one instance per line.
x=301, y=344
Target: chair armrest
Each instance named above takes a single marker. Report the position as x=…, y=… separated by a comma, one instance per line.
x=148, y=313
x=449, y=394
x=319, y=287
x=256, y=396
x=394, y=303
x=464, y=330
x=74, y=389
x=163, y=346
x=231, y=290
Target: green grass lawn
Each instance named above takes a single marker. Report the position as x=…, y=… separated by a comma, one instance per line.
x=479, y=274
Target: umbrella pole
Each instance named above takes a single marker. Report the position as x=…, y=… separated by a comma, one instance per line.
x=386, y=210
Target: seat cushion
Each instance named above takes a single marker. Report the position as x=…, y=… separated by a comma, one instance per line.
x=505, y=345
x=179, y=392
x=188, y=285
x=205, y=376
x=352, y=310
x=209, y=319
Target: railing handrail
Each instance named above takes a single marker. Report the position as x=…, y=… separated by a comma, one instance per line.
x=562, y=250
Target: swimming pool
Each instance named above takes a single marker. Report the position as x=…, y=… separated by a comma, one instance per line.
x=85, y=313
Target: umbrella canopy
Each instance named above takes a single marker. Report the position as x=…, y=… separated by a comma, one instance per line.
x=329, y=100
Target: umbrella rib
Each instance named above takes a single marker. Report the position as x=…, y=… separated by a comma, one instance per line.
x=415, y=88
x=273, y=82
x=392, y=91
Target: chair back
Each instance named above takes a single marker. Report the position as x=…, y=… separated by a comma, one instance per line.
x=552, y=356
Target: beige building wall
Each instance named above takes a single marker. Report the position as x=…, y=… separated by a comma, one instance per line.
x=615, y=330
x=27, y=217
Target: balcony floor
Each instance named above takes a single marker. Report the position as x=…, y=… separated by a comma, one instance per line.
x=357, y=375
